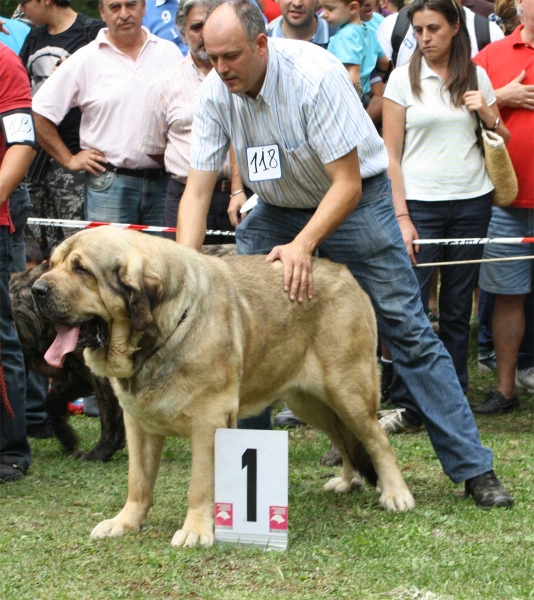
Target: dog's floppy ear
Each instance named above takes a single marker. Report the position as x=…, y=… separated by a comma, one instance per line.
x=141, y=290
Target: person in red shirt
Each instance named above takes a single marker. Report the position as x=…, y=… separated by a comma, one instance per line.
x=17, y=149
x=510, y=66
x=271, y=9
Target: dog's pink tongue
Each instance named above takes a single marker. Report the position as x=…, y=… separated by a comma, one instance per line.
x=65, y=342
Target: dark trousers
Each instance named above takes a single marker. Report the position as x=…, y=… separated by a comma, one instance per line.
x=448, y=219
x=36, y=385
x=14, y=447
x=217, y=215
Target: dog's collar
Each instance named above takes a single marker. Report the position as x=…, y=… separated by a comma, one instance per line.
x=160, y=345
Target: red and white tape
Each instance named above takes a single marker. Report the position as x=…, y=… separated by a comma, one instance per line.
x=154, y=229
x=475, y=241
x=91, y=224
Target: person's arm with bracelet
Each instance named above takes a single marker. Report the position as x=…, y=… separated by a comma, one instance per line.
x=489, y=115
x=237, y=195
x=393, y=125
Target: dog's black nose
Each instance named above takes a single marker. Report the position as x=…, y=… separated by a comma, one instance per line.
x=40, y=288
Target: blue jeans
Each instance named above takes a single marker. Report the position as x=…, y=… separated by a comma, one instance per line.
x=124, y=199
x=14, y=447
x=369, y=242
x=19, y=203
x=509, y=278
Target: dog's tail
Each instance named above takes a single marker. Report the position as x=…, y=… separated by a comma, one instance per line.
x=358, y=456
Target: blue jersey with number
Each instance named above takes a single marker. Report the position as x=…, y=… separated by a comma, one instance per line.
x=160, y=20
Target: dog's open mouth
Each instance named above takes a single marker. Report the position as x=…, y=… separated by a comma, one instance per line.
x=90, y=334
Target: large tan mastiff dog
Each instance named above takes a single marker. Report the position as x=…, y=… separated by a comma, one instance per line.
x=191, y=343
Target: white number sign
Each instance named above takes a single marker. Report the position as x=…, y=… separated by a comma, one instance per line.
x=264, y=163
x=251, y=487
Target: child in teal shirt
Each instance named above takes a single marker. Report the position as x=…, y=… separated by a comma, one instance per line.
x=354, y=44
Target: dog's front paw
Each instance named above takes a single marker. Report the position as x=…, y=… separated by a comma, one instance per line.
x=397, y=501
x=112, y=528
x=344, y=486
x=189, y=539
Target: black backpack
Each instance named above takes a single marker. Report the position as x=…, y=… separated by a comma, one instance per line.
x=402, y=24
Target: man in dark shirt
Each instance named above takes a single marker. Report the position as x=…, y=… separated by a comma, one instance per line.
x=55, y=191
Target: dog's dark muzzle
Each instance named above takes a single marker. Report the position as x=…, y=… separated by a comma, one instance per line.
x=93, y=333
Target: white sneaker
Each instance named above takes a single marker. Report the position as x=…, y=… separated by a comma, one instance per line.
x=393, y=422
x=524, y=379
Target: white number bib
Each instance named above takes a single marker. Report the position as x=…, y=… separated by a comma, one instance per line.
x=264, y=163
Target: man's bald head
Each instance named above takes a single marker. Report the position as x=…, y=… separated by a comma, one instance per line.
x=237, y=45
x=236, y=13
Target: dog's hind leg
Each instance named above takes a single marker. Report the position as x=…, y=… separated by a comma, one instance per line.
x=358, y=419
x=144, y=453
x=362, y=443
x=318, y=414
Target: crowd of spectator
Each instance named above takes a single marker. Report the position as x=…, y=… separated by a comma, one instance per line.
x=114, y=107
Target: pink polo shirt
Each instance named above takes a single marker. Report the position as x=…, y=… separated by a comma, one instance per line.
x=111, y=90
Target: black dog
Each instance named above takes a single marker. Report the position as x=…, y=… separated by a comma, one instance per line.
x=72, y=381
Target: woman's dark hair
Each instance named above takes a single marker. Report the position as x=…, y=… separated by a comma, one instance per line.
x=461, y=72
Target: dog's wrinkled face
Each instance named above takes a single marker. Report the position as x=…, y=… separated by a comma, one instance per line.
x=96, y=283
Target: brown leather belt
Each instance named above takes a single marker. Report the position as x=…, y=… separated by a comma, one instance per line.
x=223, y=185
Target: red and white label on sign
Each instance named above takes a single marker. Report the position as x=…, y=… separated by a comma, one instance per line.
x=224, y=516
x=278, y=518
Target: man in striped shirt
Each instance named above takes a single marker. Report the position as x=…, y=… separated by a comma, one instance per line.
x=168, y=117
x=305, y=145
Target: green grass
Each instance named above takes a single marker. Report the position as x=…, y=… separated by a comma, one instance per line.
x=340, y=546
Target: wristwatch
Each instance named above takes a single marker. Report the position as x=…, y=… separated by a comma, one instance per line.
x=494, y=128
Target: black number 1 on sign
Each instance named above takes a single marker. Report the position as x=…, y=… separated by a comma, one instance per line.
x=250, y=461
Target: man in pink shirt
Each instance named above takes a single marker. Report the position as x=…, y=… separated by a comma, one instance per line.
x=168, y=117
x=109, y=81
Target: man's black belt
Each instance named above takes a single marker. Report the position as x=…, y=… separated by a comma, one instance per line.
x=141, y=173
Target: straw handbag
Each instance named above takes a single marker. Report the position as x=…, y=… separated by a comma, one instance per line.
x=499, y=168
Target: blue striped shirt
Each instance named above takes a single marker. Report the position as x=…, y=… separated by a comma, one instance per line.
x=307, y=106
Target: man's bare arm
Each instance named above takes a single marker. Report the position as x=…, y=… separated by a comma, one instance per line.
x=341, y=199
x=194, y=206
x=49, y=140
x=16, y=161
